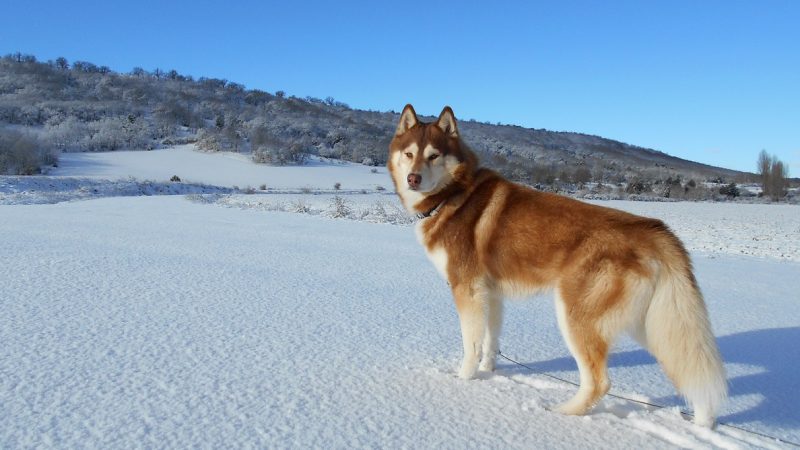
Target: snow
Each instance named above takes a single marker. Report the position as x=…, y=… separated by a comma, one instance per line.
x=164, y=321
x=220, y=169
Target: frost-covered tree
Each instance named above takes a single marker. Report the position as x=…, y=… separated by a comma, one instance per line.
x=65, y=135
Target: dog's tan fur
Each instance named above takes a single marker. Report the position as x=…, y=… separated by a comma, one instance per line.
x=611, y=271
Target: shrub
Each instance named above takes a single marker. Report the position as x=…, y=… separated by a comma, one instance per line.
x=279, y=154
x=729, y=190
x=23, y=154
x=582, y=175
x=208, y=140
x=638, y=186
x=300, y=206
x=339, y=207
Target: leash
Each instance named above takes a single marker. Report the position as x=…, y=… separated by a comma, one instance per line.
x=652, y=405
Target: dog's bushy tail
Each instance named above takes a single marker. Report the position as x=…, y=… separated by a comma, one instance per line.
x=679, y=335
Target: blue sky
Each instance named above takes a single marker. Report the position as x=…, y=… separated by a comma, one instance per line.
x=710, y=81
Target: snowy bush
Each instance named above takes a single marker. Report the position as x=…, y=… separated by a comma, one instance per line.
x=23, y=153
x=65, y=135
x=279, y=155
x=729, y=190
x=638, y=187
x=339, y=207
x=114, y=133
x=300, y=206
x=208, y=140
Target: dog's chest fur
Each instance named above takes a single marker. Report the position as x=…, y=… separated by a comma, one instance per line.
x=436, y=254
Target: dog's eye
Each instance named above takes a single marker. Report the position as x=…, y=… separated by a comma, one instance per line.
x=433, y=156
x=409, y=155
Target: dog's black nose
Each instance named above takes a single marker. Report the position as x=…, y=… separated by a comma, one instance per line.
x=414, y=179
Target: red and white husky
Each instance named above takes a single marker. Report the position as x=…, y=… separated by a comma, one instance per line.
x=611, y=271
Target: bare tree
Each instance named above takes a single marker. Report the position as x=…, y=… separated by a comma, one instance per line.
x=773, y=175
x=778, y=175
x=582, y=175
x=764, y=165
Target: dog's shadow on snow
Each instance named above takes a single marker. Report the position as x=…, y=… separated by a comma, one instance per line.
x=773, y=357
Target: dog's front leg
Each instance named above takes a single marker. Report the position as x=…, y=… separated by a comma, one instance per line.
x=471, y=314
x=494, y=321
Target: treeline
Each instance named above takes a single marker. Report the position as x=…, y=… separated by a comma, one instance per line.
x=81, y=106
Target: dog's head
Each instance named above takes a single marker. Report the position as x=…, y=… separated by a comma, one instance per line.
x=425, y=158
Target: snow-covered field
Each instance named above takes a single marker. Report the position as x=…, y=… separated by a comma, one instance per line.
x=219, y=169
x=222, y=321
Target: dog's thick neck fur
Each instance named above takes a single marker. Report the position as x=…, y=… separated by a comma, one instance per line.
x=430, y=202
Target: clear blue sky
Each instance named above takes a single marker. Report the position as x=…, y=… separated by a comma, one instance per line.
x=710, y=81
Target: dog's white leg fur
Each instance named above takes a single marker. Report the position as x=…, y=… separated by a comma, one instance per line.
x=494, y=322
x=585, y=397
x=471, y=335
x=471, y=306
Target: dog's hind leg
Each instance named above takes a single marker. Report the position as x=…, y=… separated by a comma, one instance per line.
x=470, y=304
x=494, y=322
x=590, y=350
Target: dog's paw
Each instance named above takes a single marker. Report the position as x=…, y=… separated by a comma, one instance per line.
x=573, y=407
x=467, y=372
x=486, y=366
x=704, y=420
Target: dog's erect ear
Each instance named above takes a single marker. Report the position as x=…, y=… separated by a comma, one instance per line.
x=447, y=122
x=407, y=120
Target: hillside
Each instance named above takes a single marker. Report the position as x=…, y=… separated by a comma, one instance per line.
x=79, y=106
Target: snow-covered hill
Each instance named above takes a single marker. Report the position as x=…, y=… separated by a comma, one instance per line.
x=170, y=322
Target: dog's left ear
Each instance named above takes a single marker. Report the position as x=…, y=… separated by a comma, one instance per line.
x=407, y=120
x=447, y=122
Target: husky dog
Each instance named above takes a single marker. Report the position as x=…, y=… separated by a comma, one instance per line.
x=611, y=271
